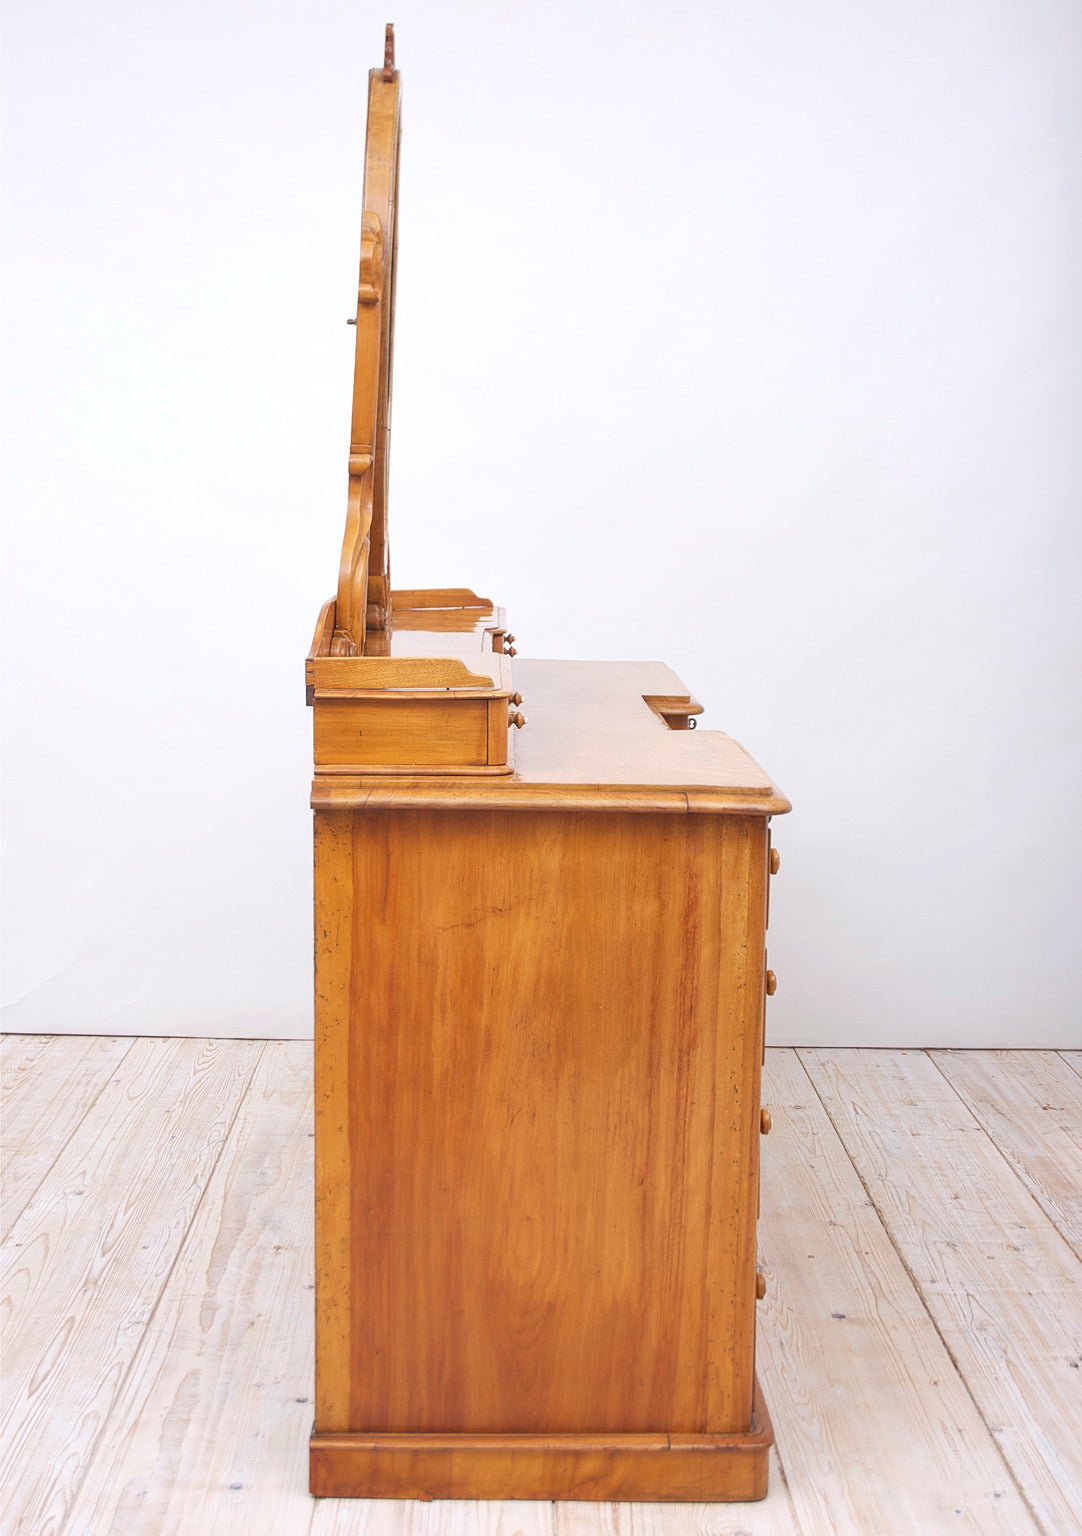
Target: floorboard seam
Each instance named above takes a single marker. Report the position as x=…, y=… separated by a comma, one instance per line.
x=1068, y=1057
x=1046, y=1216
x=923, y=1300
x=119, y=1063
x=798, y=1524
x=137, y=1352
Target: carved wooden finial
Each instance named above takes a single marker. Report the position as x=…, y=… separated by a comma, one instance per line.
x=388, y=52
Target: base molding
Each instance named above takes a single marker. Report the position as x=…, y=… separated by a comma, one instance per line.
x=724, y=1468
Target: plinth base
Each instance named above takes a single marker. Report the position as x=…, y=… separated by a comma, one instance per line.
x=647, y=1468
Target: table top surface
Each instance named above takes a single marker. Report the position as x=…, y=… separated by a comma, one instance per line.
x=593, y=740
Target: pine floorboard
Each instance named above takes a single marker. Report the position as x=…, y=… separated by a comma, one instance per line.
x=49, y=1084
x=874, y=1427
x=918, y=1344
x=1001, y=1284
x=1030, y=1104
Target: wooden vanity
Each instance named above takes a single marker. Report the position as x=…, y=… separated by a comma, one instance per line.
x=540, y=913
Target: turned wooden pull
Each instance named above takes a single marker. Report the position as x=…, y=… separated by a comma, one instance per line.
x=517, y=719
x=765, y=1121
x=771, y=983
x=516, y=698
x=775, y=861
x=760, y=1285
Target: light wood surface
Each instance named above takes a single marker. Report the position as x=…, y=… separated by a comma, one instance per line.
x=594, y=742
x=879, y=1429
x=441, y=1517
x=532, y=1466
x=538, y=1035
x=363, y=598
x=1073, y=1060
x=49, y=1084
x=998, y=1279
x=573, y=1099
x=86, y=1261
x=216, y=1337
x=1030, y=1103
x=854, y=1359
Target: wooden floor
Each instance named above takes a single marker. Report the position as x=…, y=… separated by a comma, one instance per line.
x=920, y=1342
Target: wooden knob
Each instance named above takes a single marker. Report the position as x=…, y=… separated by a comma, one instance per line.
x=509, y=638
x=517, y=719
x=509, y=650
x=765, y=1121
x=771, y=983
x=760, y=1285
x=516, y=698
x=775, y=861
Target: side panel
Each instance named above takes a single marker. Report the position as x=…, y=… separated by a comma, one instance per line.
x=538, y=1047
x=389, y=731
x=335, y=961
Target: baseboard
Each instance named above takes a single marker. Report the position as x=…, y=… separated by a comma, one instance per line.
x=638, y=1467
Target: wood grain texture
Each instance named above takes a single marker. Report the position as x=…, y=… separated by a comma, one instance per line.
x=49, y=1083
x=364, y=597
x=875, y=1428
x=210, y=1430
x=551, y=1029
x=438, y=1517
x=335, y=936
x=19, y=1054
x=593, y=740
x=1030, y=1104
x=85, y=1264
x=538, y=1036
x=772, y=1517
x=1000, y=1282
x=855, y=1445
x=1073, y=1060
x=439, y=728
x=563, y=1467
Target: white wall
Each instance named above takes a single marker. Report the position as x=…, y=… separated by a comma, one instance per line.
x=742, y=336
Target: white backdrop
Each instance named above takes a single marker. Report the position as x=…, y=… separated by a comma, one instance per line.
x=743, y=336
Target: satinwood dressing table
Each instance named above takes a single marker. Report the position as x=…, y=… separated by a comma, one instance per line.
x=540, y=988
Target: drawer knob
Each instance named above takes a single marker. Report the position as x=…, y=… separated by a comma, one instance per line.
x=771, y=983
x=765, y=1121
x=775, y=861
x=517, y=719
x=516, y=698
x=760, y=1285
x=509, y=650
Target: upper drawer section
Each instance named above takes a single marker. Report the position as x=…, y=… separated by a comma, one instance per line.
x=432, y=693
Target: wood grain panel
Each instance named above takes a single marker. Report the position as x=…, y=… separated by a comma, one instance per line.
x=553, y=1128
x=592, y=1467
x=444, y=729
x=336, y=934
